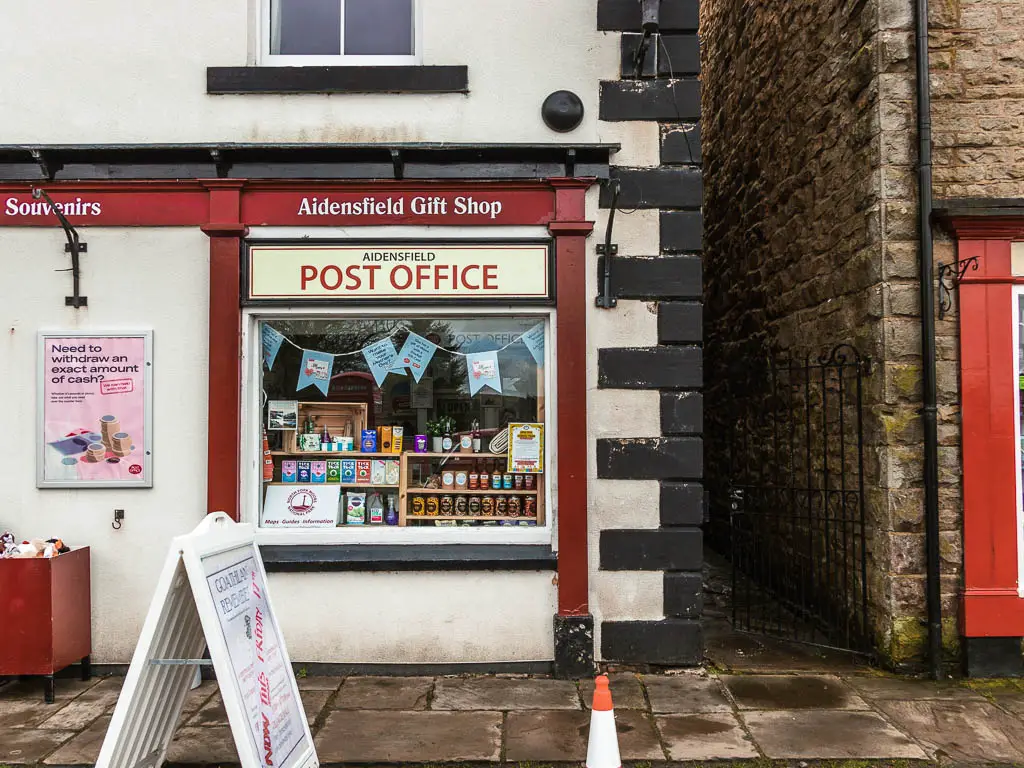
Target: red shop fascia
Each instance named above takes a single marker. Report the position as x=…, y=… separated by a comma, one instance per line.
x=225, y=209
x=992, y=604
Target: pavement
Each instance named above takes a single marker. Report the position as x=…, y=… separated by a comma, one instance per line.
x=690, y=717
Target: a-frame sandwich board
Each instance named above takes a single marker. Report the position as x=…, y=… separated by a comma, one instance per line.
x=212, y=593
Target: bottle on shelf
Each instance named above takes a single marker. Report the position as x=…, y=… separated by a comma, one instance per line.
x=474, y=477
x=485, y=477
x=496, y=477
x=391, y=517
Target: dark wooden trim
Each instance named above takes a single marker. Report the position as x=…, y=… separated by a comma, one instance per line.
x=398, y=557
x=415, y=79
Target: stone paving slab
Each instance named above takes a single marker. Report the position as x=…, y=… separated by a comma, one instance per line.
x=387, y=736
x=319, y=682
x=828, y=734
x=313, y=703
x=626, y=691
x=65, y=689
x=211, y=713
x=687, y=694
x=26, y=713
x=709, y=736
x=792, y=692
x=964, y=730
x=900, y=688
x=84, y=748
x=85, y=709
x=205, y=745
x=197, y=697
x=561, y=736
x=27, y=746
x=409, y=693
x=501, y=693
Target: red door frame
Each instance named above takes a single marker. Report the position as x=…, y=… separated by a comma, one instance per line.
x=225, y=208
x=991, y=603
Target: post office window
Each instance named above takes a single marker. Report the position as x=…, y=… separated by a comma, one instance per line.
x=323, y=32
x=404, y=447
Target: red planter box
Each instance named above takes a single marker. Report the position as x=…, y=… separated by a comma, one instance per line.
x=45, y=612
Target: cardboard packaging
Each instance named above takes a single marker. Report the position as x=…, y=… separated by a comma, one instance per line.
x=363, y=471
x=288, y=471
x=334, y=470
x=348, y=470
x=397, y=434
x=304, y=470
x=377, y=472
x=318, y=472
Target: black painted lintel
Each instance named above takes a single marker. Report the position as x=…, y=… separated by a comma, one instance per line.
x=360, y=79
x=399, y=557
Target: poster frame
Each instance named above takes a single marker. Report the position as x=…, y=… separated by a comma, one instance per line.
x=146, y=478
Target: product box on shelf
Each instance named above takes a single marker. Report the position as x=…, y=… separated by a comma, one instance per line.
x=304, y=471
x=288, y=471
x=318, y=472
x=334, y=470
x=377, y=472
x=363, y=471
x=348, y=470
x=369, y=442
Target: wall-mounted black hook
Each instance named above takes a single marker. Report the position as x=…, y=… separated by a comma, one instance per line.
x=118, y=517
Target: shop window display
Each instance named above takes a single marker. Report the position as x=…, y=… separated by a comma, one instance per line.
x=403, y=421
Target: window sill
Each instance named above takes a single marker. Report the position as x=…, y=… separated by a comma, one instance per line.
x=353, y=79
x=398, y=557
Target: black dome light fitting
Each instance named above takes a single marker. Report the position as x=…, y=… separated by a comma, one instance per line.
x=562, y=111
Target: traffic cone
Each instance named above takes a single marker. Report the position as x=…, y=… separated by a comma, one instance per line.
x=603, y=748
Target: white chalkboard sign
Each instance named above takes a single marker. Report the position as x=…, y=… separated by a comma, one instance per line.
x=212, y=594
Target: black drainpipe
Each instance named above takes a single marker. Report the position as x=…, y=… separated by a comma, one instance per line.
x=928, y=411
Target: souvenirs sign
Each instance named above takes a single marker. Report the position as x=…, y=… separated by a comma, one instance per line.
x=407, y=271
x=212, y=594
x=95, y=410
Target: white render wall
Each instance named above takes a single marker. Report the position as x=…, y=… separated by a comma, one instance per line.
x=124, y=71
x=134, y=279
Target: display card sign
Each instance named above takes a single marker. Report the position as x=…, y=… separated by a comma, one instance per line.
x=407, y=271
x=95, y=409
x=212, y=593
x=526, y=448
x=310, y=505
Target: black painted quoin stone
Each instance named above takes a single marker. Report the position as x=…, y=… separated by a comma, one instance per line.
x=666, y=90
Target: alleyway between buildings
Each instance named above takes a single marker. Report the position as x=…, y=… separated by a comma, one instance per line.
x=690, y=716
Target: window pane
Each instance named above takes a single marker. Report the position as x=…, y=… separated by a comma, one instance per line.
x=315, y=438
x=305, y=27
x=378, y=27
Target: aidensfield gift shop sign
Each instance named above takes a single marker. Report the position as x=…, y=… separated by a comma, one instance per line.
x=407, y=271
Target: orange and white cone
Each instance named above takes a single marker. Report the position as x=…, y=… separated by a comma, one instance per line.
x=603, y=749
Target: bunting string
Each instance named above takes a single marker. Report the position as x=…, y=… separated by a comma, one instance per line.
x=394, y=333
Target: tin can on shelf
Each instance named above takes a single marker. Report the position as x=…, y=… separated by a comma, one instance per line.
x=474, y=506
x=419, y=443
x=501, y=506
x=530, y=482
x=487, y=506
x=418, y=508
x=518, y=481
x=529, y=507
x=515, y=506
x=433, y=508
x=462, y=505
x=447, y=506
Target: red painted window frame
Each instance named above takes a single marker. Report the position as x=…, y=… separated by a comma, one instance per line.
x=991, y=605
x=225, y=208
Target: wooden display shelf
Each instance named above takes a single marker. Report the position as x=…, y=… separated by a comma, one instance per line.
x=336, y=485
x=456, y=455
x=467, y=492
x=467, y=517
x=339, y=454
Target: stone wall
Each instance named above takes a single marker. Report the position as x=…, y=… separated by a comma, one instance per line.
x=977, y=62
x=810, y=241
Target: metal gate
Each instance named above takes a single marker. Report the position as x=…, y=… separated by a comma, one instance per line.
x=795, y=499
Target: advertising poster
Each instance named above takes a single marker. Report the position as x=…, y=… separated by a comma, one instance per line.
x=526, y=448
x=95, y=410
x=273, y=714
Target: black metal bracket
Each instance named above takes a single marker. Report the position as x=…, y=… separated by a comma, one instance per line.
x=398, y=164
x=949, y=275
x=609, y=250
x=220, y=162
x=74, y=246
x=570, y=163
